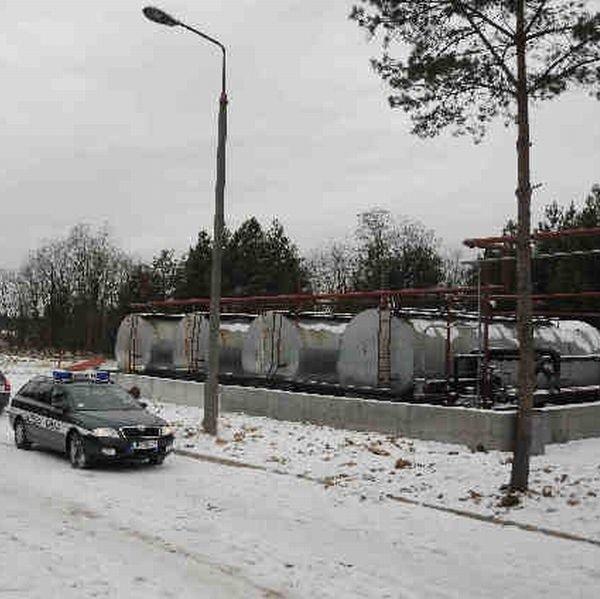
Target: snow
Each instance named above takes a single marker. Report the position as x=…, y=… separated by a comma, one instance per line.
x=314, y=518
x=564, y=489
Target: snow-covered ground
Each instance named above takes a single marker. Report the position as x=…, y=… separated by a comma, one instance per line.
x=315, y=520
x=564, y=483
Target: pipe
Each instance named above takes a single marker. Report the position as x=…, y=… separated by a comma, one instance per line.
x=384, y=293
x=550, y=314
x=449, y=341
x=540, y=296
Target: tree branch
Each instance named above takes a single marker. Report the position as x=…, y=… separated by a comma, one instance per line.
x=548, y=31
x=486, y=19
x=458, y=38
x=562, y=58
x=565, y=73
x=486, y=42
x=536, y=16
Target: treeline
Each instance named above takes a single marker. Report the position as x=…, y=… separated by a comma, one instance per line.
x=68, y=294
x=72, y=292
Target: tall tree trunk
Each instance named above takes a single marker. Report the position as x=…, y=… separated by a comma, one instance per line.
x=520, y=467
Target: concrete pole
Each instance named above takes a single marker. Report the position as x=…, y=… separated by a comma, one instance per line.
x=211, y=388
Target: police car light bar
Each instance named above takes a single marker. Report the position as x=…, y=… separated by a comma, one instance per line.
x=81, y=377
x=62, y=376
x=102, y=376
x=66, y=376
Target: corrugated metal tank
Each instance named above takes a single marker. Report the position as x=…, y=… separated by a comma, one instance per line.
x=303, y=348
x=193, y=339
x=148, y=341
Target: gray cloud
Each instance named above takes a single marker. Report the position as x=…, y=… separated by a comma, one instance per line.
x=107, y=117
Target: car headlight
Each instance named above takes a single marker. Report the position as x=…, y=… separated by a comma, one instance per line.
x=105, y=432
x=167, y=430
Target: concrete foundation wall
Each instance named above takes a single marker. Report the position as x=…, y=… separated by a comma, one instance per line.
x=466, y=426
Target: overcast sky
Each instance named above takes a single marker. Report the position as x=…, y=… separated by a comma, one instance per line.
x=106, y=117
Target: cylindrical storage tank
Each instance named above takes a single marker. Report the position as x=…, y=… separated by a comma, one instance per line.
x=502, y=335
x=569, y=337
x=232, y=332
x=358, y=362
x=148, y=342
x=303, y=348
x=579, y=346
x=431, y=343
x=418, y=347
x=189, y=341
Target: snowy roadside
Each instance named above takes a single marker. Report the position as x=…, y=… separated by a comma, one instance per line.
x=565, y=483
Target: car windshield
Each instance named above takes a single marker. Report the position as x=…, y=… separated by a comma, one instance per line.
x=91, y=396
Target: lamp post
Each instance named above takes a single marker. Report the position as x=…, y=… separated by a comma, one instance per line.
x=211, y=387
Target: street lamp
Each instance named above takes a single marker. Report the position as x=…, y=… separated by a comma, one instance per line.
x=211, y=388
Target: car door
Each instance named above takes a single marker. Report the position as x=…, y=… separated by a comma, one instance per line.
x=44, y=413
x=27, y=405
x=57, y=416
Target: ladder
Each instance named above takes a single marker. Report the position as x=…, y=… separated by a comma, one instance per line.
x=384, y=339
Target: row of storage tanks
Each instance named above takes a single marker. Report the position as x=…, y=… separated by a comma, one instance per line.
x=344, y=349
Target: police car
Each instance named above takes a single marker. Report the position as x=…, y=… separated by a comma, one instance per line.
x=89, y=418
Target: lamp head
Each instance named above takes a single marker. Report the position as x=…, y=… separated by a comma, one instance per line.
x=159, y=16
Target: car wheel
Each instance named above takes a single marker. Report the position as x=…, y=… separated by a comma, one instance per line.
x=21, y=440
x=157, y=460
x=77, y=454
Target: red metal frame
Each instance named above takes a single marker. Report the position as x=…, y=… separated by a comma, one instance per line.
x=559, y=295
x=503, y=243
x=300, y=298
x=551, y=313
x=483, y=242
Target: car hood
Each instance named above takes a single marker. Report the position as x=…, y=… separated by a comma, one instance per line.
x=116, y=418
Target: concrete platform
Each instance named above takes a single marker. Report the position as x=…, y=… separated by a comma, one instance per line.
x=483, y=429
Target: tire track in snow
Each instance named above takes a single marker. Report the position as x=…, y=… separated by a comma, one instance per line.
x=80, y=511
x=503, y=522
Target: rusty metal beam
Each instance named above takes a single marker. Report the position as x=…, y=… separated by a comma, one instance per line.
x=542, y=296
x=484, y=242
x=323, y=297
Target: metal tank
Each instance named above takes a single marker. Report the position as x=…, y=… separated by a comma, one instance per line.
x=193, y=340
x=148, y=342
x=232, y=332
x=188, y=341
x=579, y=346
x=358, y=361
x=417, y=347
x=301, y=348
x=431, y=342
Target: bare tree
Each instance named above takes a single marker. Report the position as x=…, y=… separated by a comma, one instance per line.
x=63, y=291
x=330, y=267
